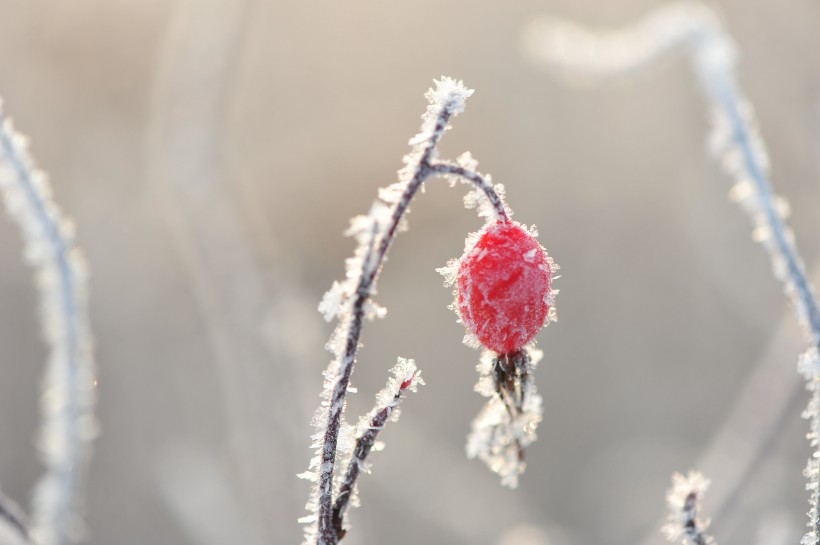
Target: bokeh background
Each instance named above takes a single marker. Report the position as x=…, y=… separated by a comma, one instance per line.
x=211, y=153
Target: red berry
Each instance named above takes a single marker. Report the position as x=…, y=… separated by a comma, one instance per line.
x=504, y=285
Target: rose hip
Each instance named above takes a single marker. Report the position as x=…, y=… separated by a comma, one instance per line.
x=504, y=284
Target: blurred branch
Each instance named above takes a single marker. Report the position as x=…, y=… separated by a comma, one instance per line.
x=13, y=518
x=683, y=500
x=250, y=302
x=735, y=141
x=68, y=399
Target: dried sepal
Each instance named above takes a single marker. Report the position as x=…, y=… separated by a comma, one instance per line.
x=506, y=425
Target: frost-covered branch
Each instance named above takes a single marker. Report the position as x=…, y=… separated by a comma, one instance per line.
x=683, y=501
x=350, y=301
x=735, y=142
x=405, y=377
x=13, y=519
x=68, y=396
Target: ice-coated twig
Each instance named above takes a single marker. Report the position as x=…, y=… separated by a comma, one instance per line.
x=69, y=396
x=735, y=142
x=683, y=500
x=13, y=518
x=405, y=377
x=248, y=299
x=350, y=301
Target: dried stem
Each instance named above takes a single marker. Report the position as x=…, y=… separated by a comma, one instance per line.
x=364, y=444
x=67, y=406
x=735, y=141
x=683, y=500
x=420, y=166
x=13, y=518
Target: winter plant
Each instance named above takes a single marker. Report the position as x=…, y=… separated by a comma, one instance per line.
x=736, y=143
x=68, y=397
x=503, y=296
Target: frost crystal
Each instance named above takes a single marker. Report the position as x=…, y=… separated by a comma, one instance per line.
x=450, y=95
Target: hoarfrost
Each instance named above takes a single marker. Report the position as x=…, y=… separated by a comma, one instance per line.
x=683, y=502
x=69, y=384
x=373, y=310
x=331, y=304
x=405, y=377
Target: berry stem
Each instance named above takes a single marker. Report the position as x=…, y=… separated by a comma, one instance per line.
x=419, y=168
x=443, y=168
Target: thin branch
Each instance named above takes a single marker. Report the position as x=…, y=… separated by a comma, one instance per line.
x=694, y=29
x=364, y=444
x=446, y=100
x=683, y=500
x=69, y=386
x=13, y=518
x=483, y=184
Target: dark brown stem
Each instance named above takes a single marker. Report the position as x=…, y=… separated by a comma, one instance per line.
x=691, y=526
x=12, y=516
x=364, y=444
x=373, y=261
x=448, y=169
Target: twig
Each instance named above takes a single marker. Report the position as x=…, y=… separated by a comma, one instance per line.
x=735, y=140
x=364, y=444
x=13, y=518
x=68, y=390
x=683, y=500
x=446, y=100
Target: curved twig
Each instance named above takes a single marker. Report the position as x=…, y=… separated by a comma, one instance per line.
x=67, y=406
x=446, y=100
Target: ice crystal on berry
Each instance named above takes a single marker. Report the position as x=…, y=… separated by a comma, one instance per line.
x=504, y=283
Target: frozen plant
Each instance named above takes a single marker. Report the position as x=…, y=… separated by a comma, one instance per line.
x=504, y=295
x=683, y=500
x=735, y=142
x=69, y=396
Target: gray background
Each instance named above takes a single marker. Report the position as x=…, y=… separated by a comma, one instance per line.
x=212, y=153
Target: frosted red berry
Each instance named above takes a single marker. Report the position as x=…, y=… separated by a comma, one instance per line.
x=504, y=284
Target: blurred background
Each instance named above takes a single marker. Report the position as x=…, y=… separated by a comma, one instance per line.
x=211, y=153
